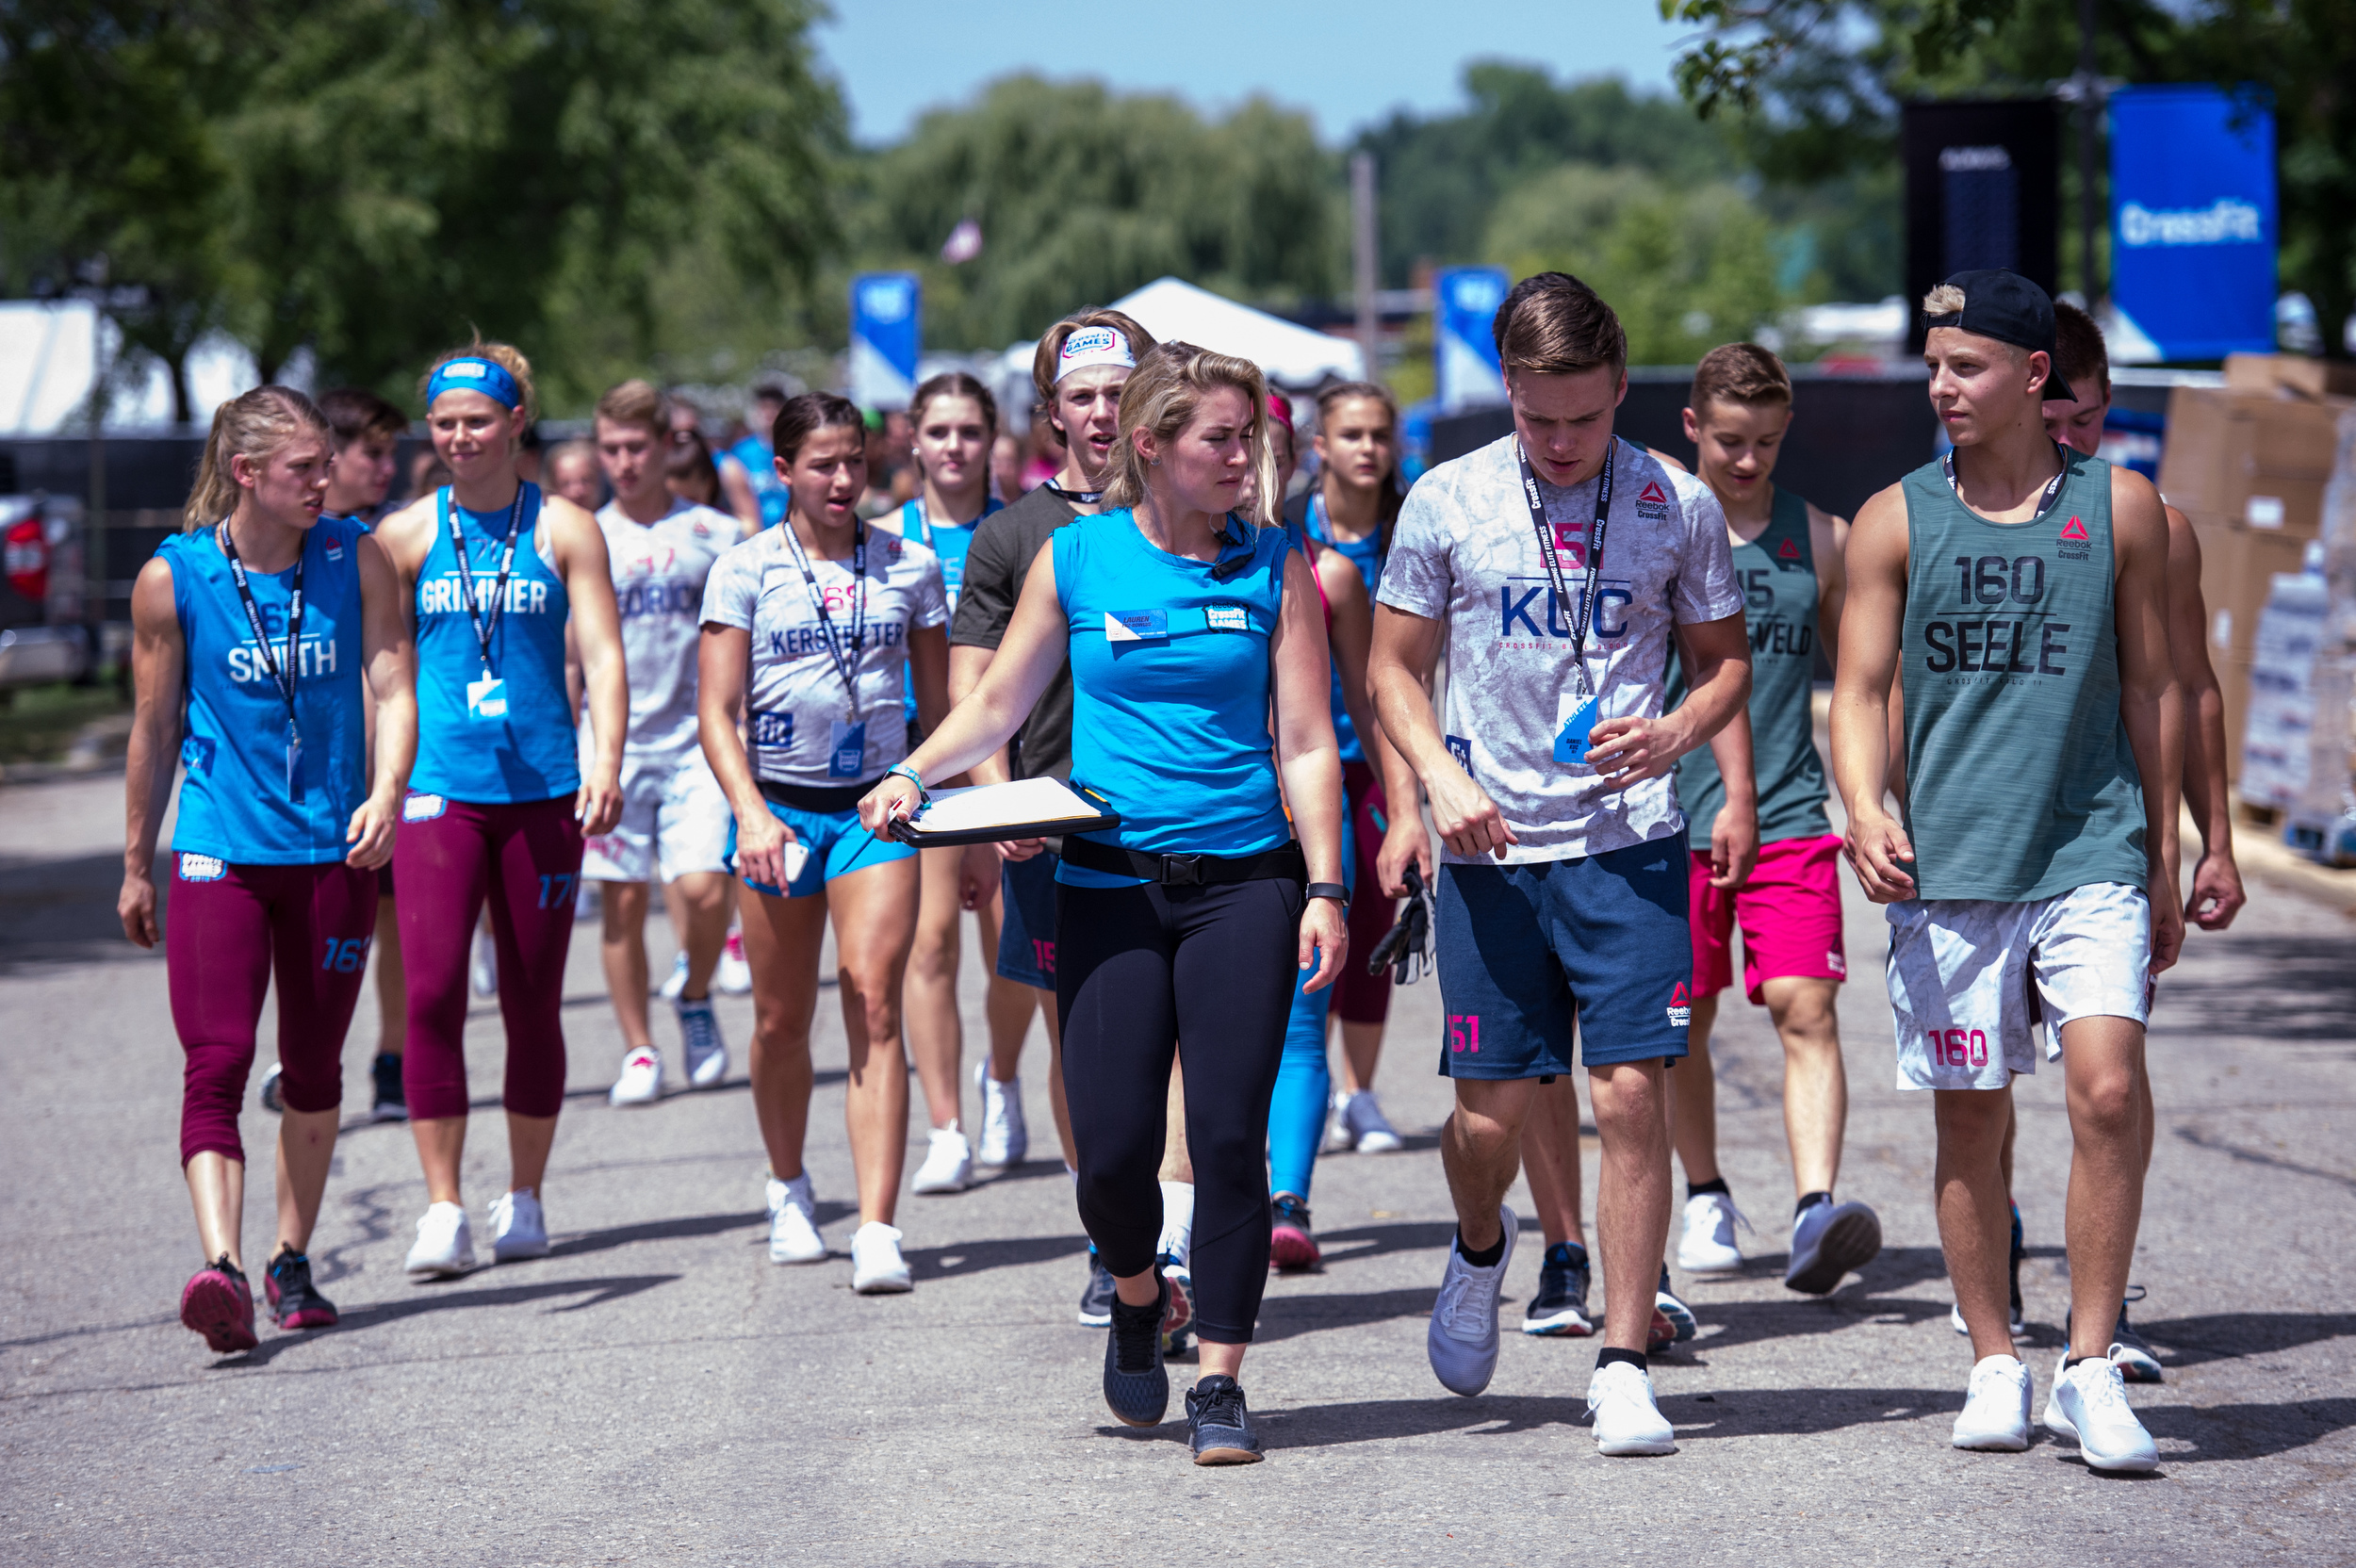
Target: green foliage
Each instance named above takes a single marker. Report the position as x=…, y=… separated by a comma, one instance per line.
x=1083, y=196
x=1687, y=265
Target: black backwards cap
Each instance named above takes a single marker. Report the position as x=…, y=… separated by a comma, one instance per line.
x=2009, y=308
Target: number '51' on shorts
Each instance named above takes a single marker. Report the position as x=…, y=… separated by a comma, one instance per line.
x=1971, y=980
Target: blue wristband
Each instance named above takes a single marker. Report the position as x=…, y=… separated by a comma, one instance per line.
x=924, y=795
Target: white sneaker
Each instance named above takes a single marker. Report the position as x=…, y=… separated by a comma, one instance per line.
x=699, y=1033
x=877, y=1267
x=484, y=969
x=270, y=1097
x=1620, y=1403
x=734, y=975
x=1955, y=1317
x=1462, y=1341
x=793, y=1222
x=1005, y=1139
x=640, y=1083
x=1708, y=1244
x=948, y=1164
x=1339, y=1140
x=676, y=982
x=1996, y=1410
x=2088, y=1401
x=445, y=1244
x=519, y=1229
x=1370, y=1131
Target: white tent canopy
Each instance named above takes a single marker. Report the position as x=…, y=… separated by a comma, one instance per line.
x=1288, y=354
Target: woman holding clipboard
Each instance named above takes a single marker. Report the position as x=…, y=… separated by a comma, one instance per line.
x=1193, y=917
x=809, y=631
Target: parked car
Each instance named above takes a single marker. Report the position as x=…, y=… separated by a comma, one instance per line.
x=44, y=637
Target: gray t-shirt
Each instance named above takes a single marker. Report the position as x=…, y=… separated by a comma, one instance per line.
x=797, y=713
x=1466, y=550
x=659, y=573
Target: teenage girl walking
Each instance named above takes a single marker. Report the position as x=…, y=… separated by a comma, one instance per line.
x=251, y=632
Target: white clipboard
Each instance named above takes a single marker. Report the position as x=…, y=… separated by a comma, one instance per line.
x=992, y=814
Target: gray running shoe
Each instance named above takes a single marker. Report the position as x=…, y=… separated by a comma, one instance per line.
x=1096, y=1300
x=1827, y=1241
x=1462, y=1341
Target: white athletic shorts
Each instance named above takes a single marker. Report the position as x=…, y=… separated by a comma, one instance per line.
x=1970, y=980
x=674, y=821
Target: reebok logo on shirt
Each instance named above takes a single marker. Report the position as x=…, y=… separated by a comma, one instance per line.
x=1680, y=1009
x=1652, y=503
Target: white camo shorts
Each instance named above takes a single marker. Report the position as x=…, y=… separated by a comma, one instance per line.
x=674, y=821
x=1971, y=980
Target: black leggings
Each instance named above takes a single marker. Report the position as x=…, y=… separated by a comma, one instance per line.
x=1138, y=969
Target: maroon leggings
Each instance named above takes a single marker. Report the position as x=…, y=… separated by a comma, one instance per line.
x=525, y=859
x=229, y=927
x=1360, y=997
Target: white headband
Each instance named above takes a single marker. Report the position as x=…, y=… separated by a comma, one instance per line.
x=1094, y=346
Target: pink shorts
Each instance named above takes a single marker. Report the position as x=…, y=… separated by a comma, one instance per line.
x=1790, y=911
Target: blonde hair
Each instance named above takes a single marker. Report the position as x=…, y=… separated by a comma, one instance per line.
x=505, y=355
x=1946, y=300
x=251, y=425
x=1163, y=395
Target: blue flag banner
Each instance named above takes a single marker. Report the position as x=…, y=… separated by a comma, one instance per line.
x=1465, y=302
x=2193, y=224
x=884, y=339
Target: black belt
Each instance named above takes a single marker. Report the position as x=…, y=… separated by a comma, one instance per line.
x=806, y=797
x=1283, y=863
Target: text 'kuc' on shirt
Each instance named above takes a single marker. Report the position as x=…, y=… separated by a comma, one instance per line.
x=794, y=695
x=1466, y=551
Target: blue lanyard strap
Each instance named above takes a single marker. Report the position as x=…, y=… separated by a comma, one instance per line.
x=482, y=629
x=282, y=674
x=1585, y=612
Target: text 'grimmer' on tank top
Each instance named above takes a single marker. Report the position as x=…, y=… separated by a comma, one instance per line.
x=2011, y=692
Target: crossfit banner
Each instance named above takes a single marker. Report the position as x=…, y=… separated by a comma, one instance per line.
x=884, y=339
x=1465, y=302
x=2193, y=223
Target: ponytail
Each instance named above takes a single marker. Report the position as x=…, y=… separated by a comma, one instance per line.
x=251, y=425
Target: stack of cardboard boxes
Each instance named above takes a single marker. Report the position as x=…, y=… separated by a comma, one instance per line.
x=2248, y=463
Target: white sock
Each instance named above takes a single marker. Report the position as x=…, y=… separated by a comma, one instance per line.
x=1177, y=1221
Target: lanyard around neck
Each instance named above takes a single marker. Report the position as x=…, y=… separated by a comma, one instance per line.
x=482, y=629
x=2052, y=486
x=1584, y=613
x=846, y=668
x=282, y=674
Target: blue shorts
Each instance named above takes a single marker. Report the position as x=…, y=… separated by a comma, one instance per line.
x=1026, y=922
x=837, y=844
x=1595, y=953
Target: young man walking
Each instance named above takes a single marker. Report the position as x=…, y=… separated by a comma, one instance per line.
x=2015, y=589
x=675, y=819
x=1559, y=563
x=1764, y=854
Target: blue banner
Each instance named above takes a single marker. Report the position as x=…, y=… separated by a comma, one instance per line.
x=885, y=338
x=1465, y=302
x=2193, y=224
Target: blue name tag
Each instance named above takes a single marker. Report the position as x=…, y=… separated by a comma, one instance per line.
x=1461, y=749
x=1578, y=717
x=846, y=749
x=1135, y=626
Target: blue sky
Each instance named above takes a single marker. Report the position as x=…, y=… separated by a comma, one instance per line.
x=1345, y=64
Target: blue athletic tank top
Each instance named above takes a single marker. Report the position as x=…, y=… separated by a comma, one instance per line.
x=949, y=541
x=1169, y=683
x=761, y=466
x=236, y=805
x=524, y=749
x=1366, y=555
x=1345, y=732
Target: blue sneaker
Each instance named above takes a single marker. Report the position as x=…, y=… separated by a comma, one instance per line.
x=1827, y=1241
x=1219, y=1427
x=1462, y=1341
x=1096, y=1299
x=1560, y=1308
x=1673, y=1321
x=1135, y=1385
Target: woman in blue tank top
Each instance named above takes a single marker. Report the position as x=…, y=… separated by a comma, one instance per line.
x=1185, y=627
x=497, y=575
x=250, y=630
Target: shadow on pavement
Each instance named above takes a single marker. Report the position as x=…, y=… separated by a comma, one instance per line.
x=1288, y=1317
x=2309, y=991
x=656, y=1229
x=2229, y=1336
x=2247, y=1431
x=612, y=1288
x=962, y=1260
x=822, y=1077
x=63, y=911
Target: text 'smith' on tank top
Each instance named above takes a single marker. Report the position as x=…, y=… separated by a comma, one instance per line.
x=503, y=734
x=2020, y=780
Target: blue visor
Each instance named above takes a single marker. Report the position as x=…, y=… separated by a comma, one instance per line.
x=469, y=373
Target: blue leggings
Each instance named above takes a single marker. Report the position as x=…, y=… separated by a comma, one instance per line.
x=1304, y=1084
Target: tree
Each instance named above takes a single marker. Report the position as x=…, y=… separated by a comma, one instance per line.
x=1083, y=195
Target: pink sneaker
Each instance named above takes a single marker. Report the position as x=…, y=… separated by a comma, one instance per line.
x=217, y=1303
x=1291, y=1245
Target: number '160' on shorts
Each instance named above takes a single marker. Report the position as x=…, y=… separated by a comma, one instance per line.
x=1971, y=980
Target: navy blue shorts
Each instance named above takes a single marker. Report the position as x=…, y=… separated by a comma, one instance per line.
x=1026, y=922
x=1594, y=953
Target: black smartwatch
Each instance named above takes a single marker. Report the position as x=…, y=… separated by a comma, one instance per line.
x=1334, y=890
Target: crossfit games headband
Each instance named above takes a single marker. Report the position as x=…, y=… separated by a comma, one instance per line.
x=1094, y=346
x=472, y=373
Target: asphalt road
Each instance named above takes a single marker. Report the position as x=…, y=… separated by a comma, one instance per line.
x=656, y=1391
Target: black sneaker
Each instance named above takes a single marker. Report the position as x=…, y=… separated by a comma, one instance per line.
x=1096, y=1300
x=2130, y=1352
x=1218, y=1425
x=392, y=1102
x=294, y=1301
x=1135, y=1385
x=1560, y=1308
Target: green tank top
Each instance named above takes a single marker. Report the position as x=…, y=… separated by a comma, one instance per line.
x=1777, y=575
x=2020, y=780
